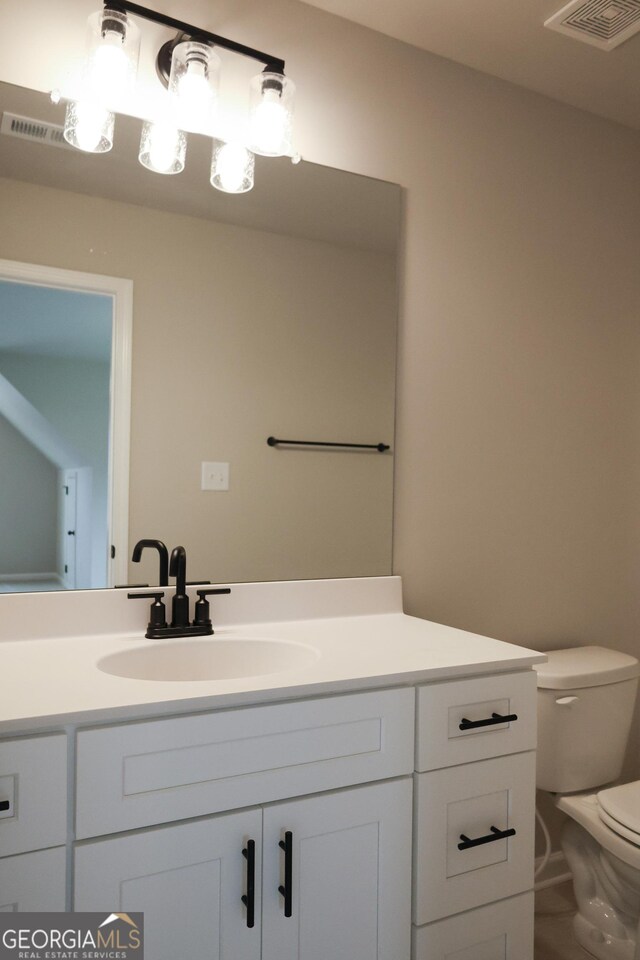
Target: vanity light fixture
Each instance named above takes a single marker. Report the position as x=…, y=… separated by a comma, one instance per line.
x=189, y=67
x=113, y=43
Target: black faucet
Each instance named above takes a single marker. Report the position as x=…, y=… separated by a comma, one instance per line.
x=180, y=602
x=180, y=624
x=164, y=558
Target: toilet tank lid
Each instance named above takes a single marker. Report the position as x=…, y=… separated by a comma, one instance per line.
x=576, y=667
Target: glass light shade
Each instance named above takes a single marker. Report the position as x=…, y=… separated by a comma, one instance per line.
x=163, y=147
x=112, y=60
x=193, y=86
x=271, y=115
x=89, y=126
x=232, y=167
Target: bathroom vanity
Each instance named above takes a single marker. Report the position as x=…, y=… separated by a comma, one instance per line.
x=329, y=809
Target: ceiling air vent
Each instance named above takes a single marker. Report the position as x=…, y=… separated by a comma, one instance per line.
x=602, y=23
x=35, y=130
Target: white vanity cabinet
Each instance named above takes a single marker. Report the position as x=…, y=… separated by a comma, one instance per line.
x=332, y=871
x=348, y=875
x=340, y=822
x=33, y=823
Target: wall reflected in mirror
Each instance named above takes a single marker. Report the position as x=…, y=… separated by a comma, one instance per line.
x=270, y=313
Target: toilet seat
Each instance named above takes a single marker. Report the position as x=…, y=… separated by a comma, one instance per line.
x=620, y=809
x=586, y=810
x=619, y=828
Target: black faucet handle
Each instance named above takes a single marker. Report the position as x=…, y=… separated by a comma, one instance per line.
x=157, y=610
x=203, y=615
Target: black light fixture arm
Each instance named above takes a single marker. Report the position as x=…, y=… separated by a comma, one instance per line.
x=273, y=64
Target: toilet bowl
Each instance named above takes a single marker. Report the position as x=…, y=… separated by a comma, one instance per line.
x=586, y=697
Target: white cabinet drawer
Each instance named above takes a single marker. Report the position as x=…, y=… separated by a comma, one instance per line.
x=499, y=931
x=460, y=804
x=33, y=782
x=153, y=772
x=444, y=707
x=34, y=881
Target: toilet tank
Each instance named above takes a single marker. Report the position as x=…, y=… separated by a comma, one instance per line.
x=586, y=697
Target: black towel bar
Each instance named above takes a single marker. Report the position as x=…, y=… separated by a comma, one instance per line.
x=380, y=447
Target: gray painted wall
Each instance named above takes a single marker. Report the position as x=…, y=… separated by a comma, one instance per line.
x=28, y=506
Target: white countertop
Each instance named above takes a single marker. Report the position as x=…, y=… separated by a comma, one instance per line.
x=46, y=682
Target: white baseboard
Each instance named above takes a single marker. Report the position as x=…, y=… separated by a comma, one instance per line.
x=555, y=872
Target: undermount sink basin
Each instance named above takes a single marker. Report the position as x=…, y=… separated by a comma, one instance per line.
x=207, y=659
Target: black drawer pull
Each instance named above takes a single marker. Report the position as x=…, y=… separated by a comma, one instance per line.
x=287, y=890
x=4, y=804
x=489, y=722
x=249, y=898
x=494, y=835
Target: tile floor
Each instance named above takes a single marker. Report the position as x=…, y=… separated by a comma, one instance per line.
x=554, y=938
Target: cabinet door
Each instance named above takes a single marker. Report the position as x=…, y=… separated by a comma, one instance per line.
x=350, y=875
x=34, y=881
x=187, y=879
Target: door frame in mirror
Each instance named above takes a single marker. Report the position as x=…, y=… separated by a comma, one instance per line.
x=121, y=292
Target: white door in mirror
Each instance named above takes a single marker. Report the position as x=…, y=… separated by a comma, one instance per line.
x=215, y=476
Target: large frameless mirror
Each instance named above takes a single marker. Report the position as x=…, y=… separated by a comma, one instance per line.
x=272, y=313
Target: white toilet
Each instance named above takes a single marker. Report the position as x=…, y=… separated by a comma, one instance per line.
x=586, y=697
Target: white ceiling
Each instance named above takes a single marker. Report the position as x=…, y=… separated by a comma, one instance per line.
x=507, y=38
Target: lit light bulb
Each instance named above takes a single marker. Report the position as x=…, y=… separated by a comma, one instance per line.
x=232, y=167
x=271, y=114
x=269, y=124
x=162, y=148
x=89, y=126
x=193, y=82
x=108, y=69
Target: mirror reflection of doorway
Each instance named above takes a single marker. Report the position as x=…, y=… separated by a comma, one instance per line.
x=56, y=348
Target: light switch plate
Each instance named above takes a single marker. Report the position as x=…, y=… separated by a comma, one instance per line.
x=215, y=476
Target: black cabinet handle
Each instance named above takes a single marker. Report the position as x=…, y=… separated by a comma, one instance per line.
x=287, y=890
x=4, y=805
x=249, y=898
x=494, y=835
x=489, y=722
